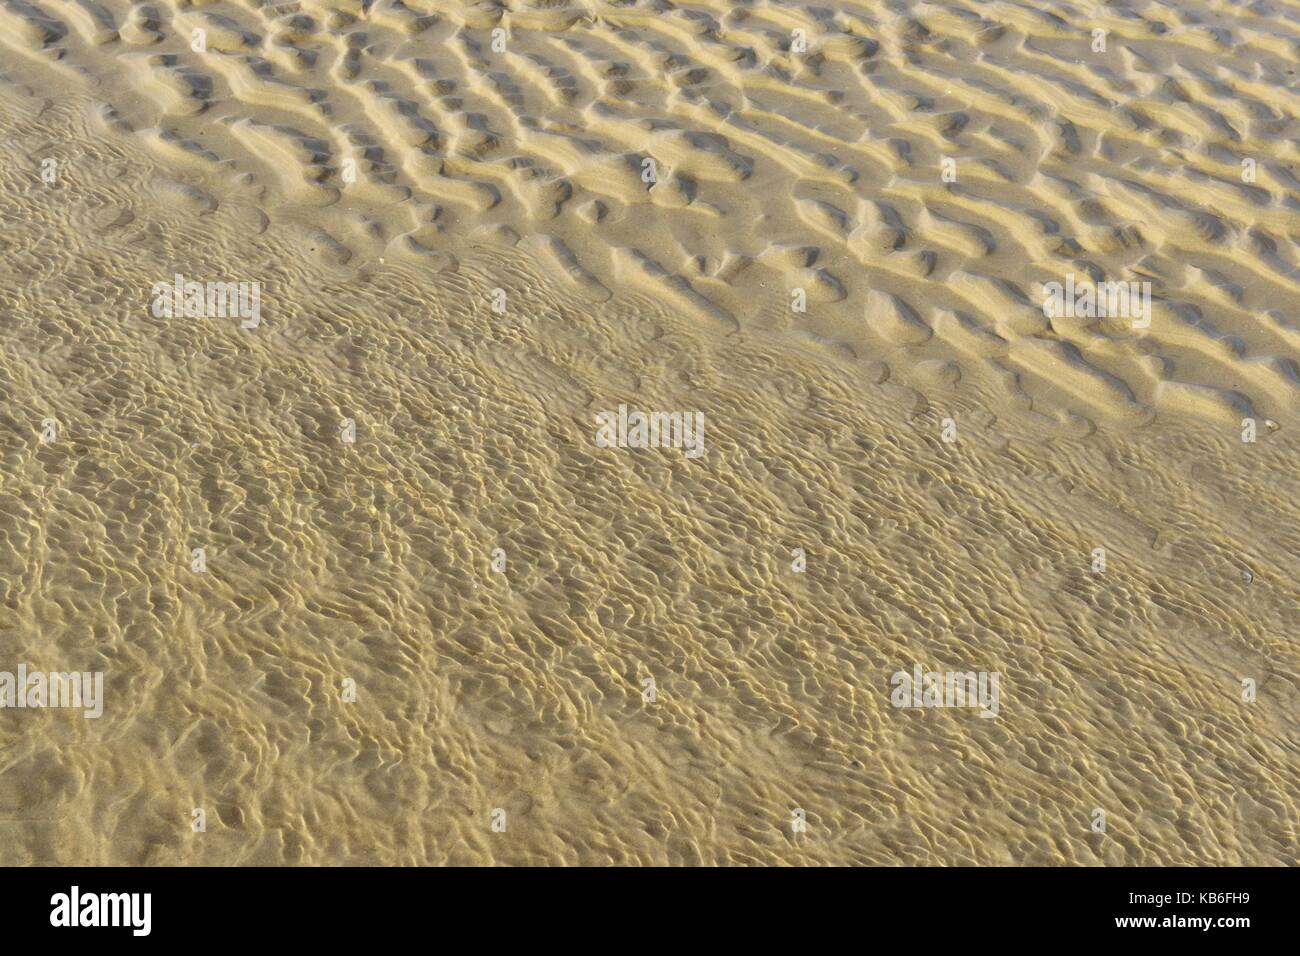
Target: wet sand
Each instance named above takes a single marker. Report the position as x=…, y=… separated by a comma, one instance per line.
x=467, y=247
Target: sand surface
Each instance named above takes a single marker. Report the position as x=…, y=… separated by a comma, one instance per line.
x=458, y=252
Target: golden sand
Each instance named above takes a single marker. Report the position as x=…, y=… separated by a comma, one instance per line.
x=470, y=243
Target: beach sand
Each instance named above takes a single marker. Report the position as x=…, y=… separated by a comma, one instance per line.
x=431, y=619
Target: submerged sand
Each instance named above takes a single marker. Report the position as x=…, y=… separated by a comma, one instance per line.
x=459, y=254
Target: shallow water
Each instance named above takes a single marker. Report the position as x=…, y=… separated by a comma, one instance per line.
x=460, y=265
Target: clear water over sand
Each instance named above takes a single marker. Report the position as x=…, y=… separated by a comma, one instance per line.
x=467, y=245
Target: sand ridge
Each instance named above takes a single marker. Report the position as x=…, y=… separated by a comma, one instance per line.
x=778, y=170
